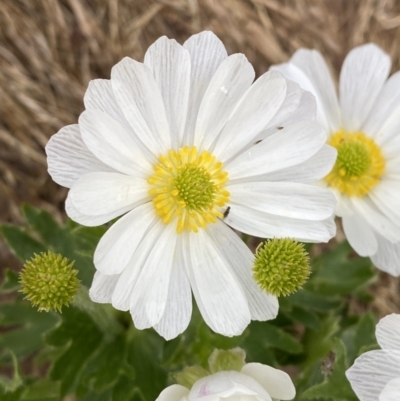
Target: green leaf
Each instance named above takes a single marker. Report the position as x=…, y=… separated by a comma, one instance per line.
x=7, y=384
x=336, y=273
x=10, y=282
x=145, y=356
x=80, y=337
x=360, y=336
x=24, y=322
x=263, y=336
x=336, y=387
x=42, y=390
x=21, y=244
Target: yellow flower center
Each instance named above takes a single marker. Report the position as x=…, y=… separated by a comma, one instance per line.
x=359, y=164
x=188, y=187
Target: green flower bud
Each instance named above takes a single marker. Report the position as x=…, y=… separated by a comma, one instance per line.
x=49, y=281
x=225, y=360
x=281, y=266
x=190, y=375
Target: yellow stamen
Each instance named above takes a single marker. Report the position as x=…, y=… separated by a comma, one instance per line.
x=187, y=186
x=359, y=165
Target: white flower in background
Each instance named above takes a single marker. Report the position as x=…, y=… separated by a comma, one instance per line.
x=254, y=382
x=364, y=126
x=375, y=375
x=174, y=143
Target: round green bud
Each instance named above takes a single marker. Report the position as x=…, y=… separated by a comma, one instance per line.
x=49, y=281
x=281, y=266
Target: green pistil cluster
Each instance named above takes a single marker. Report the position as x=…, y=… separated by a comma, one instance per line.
x=195, y=187
x=353, y=159
x=49, y=281
x=281, y=266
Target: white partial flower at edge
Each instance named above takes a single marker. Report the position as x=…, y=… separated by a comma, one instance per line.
x=367, y=111
x=186, y=146
x=375, y=375
x=254, y=382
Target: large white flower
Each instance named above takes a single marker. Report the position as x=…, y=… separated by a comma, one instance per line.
x=364, y=126
x=175, y=142
x=375, y=375
x=254, y=382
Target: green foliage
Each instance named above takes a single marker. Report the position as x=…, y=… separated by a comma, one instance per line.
x=95, y=353
x=336, y=387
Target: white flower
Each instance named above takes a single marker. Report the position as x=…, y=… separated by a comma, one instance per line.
x=364, y=126
x=375, y=375
x=254, y=382
x=170, y=142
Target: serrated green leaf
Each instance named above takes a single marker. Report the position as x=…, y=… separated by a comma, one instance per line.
x=15, y=382
x=360, y=336
x=309, y=300
x=21, y=244
x=10, y=282
x=338, y=274
x=262, y=337
x=42, y=390
x=145, y=356
x=107, y=365
x=80, y=337
x=336, y=387
x=318, y=343
x=25, y=323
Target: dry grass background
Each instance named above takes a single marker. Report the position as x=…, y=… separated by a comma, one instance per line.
x=50, y=49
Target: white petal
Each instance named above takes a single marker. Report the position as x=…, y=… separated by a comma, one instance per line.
x=378, y=221
x=308, y=172
x=344, y=207
x=391, y=392
x=287, y=147
x=262, y=305
x=252, y=114
x=149, y=296
x=387, y=106
x=206, y=52
x=119, y=243
x=360, y=235
x=232, y=79
x=387, y=257
x=171, y=65
x=69, y=158
x=218, y=294
x=294, y=200
x=128, y=279
x=266, y=225
x=140, y=100
x=299, y=105
x=173, y=393
x=222, y=385
x=100, y=96
x=388, y=332
x=276, y=382
x=372, y=371
x=91, y=220
x=103, y=287
x=112, y=144
x=306, y=110
x=178, y=309
x=308, y=68
x=386, y=196
x=100, y=193
x=289, y=105
x=364, y=71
